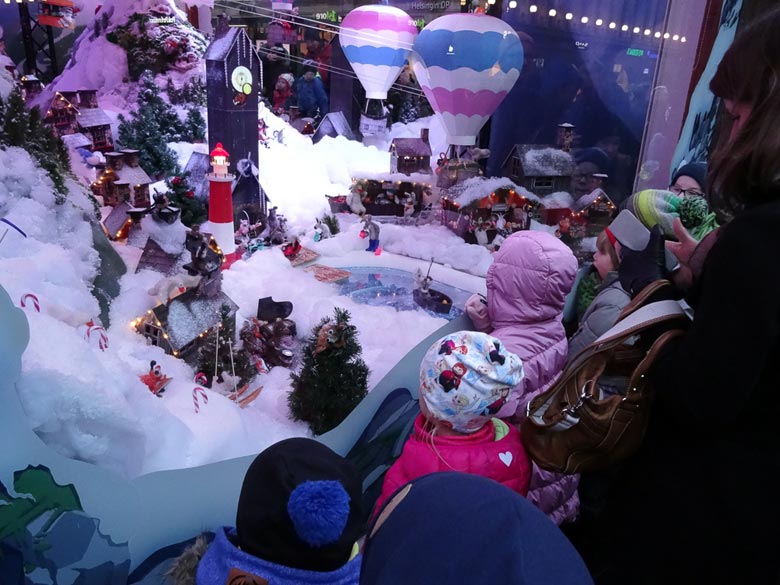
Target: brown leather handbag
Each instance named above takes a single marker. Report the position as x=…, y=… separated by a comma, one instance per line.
x=596, y=413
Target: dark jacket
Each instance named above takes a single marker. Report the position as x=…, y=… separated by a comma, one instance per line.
x=311, y=95
x=698, y=504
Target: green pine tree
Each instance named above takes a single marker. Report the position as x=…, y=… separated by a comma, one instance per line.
x=195, y=125
x=181, y=195
x=333, y=378
x=25, y=128
x=150, y=128
x=333, y=223
x=228, y=359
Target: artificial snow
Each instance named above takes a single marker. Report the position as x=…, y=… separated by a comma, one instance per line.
x=547, y=162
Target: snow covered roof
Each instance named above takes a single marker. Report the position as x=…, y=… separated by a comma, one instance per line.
x=189, y=315
x=542, y=161
x=117, y=218
x=128, y=175
x=77, y=140
x=155, y=258
x=587, y=200
x=198, y=165
x=91, y=117
x=333, y=124
x=412, y=147
x=477, y=188
x=220, y=47
x=546, y=162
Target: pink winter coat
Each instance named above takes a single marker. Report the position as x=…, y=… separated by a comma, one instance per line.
x=527, y=284
x=503, y=460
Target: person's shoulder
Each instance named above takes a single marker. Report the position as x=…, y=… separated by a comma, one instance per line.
x=756, y=224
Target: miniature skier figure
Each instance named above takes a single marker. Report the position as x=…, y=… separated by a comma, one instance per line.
x=372, y=228
x=155, y=380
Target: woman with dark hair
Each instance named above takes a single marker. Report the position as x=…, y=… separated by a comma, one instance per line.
x=698, y=504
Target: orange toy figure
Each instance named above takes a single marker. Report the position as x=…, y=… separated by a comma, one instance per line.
x=155, y=379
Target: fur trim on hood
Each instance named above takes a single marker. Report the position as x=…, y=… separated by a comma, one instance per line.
x=185, y=567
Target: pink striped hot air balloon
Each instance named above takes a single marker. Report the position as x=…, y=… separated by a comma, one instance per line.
x=466, y=64
x=377, y=40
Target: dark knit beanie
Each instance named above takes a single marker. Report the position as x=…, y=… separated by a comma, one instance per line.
x=695, y=170
x=300, y=506
x=593, y=155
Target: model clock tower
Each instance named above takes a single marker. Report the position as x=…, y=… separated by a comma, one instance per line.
x=233, y=88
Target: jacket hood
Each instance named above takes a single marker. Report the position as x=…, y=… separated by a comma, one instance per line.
x=462, y=528
x=529, y=279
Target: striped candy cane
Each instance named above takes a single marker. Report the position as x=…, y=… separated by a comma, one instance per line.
x=35, y=302
x=200, y=378
x=103, y=337
x=198, y=393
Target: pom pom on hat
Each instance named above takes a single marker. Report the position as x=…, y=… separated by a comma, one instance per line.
x=301, y=506
x=319, y=511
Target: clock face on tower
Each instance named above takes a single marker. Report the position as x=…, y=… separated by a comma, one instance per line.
x=241, y=79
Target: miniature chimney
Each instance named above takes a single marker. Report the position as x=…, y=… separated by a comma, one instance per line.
x=131, y=157
x=424, y=134
x=114, y=160
x=565, y=136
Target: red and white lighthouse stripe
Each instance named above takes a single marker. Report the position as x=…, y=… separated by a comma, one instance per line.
x=221, y=205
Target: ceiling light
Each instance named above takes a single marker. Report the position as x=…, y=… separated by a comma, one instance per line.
x=599, y=22
x=584, y=20
x=552, y=12
x=569, y=16
x=532, y=8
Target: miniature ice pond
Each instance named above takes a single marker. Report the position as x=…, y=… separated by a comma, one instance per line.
x=373, y=285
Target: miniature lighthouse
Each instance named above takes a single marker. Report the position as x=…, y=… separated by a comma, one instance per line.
x=221, y=204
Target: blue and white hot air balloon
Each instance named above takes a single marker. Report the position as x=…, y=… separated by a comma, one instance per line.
x=466, y=64
x=377, y=40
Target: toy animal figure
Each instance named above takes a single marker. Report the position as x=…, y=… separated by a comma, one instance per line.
x=355, y=202
x=321, y=230
x=331, y=335
x=270, y=344
x=372, y=230
x=155, y=380
x=172, y=286
x=423, y=281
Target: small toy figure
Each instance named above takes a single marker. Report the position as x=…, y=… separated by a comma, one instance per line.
x=262, y=128
x=291, y=249
x=423, y=282
x=355, y=201
x=321, y=231
x=372, y=229
x=273, y=232
x=564, y=226
x=155, y=380
x=480, y=233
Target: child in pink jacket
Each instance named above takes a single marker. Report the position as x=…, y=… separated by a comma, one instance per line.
x=527, y=286
x=465, y=379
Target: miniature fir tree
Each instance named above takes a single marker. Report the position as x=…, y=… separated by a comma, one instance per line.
x=408, y=112
x=150, y=128
x=218, y=355
x=195, y=125
x=24, y=128
x=333, y=378
x=333, y=224
x=181, y=195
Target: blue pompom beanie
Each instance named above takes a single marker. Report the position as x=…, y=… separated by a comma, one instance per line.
x=300, y=506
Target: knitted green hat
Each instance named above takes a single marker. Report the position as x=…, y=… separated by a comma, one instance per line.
x=656, y=206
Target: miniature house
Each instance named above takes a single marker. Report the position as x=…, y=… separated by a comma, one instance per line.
x=540, y=169
x=121, y=178
x=594, y=211
x=117, y=223
x=411, y=155
x=179, y=326
x=77, y=111
x=333, y=124
x=155, y=258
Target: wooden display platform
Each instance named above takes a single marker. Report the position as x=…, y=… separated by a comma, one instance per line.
x=327, y=273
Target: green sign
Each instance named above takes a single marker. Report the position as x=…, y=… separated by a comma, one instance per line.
x=635, y=52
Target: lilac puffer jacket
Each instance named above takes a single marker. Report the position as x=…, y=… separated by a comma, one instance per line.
x=527, y=286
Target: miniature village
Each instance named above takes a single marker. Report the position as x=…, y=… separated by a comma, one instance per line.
x=182, y=220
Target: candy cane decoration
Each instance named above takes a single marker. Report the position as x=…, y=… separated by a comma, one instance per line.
x=197, y=393
x=103, y=337
x=35, y=302
x=200, y=378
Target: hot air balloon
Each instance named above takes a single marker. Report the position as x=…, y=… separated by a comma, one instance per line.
x=377, y=40
x=466, y=64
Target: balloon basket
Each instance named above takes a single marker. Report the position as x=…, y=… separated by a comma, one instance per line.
x=456, y=171
x=372, y=126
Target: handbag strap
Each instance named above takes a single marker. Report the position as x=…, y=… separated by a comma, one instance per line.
x=643, y=296
x=642, y=318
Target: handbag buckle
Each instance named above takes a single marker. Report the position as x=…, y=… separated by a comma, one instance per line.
x=583, y=397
